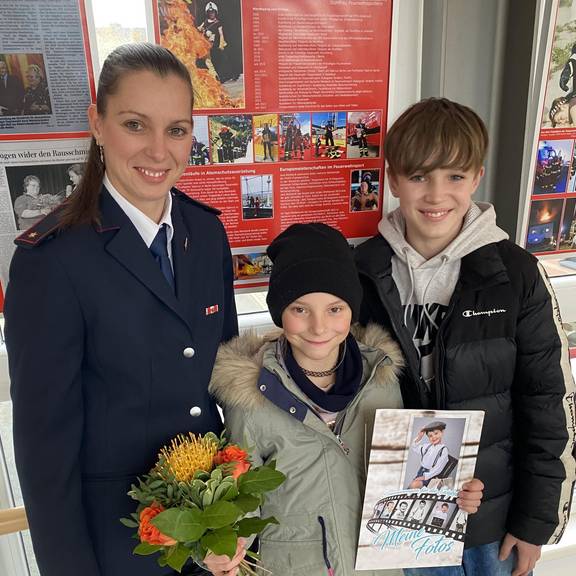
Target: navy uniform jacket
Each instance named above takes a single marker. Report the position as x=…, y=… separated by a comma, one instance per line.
x=106, y=366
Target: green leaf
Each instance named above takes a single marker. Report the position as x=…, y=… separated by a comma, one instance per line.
x=217, y=475
x=183, y=525
x=247, y=503
x=221, y=542
x=145, y=549
x=221, y=514
x=162, y=561
x=128, y=522
x=260, y=480
x=231, y=492
x=177, y=557
x=222, y=489
x=249, y=526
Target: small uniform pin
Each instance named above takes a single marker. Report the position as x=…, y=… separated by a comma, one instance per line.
x=185, y=243
x=211, y=309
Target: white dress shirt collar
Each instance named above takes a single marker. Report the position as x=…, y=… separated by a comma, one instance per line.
x=146, y=227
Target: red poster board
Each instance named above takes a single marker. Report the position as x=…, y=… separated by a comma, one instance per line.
x=290, y=109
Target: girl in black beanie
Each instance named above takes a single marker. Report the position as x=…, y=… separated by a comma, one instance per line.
x=306, y=398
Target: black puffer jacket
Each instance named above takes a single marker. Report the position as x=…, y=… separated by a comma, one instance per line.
x=500, y=349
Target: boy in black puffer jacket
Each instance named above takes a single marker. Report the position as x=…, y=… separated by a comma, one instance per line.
x=479, y=326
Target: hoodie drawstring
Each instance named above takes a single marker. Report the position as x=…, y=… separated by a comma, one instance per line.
x=411, y=275
x=437, y=271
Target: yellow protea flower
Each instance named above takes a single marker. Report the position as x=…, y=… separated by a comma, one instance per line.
x=187, y=454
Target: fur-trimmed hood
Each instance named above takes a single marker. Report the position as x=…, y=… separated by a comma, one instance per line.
x=236, y=371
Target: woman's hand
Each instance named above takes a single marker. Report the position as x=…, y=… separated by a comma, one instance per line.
x=470, y=497
x=222, y=565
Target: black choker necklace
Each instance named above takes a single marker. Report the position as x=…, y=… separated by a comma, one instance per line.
x=322, y=373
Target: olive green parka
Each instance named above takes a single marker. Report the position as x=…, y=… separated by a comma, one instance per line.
x=319, y=506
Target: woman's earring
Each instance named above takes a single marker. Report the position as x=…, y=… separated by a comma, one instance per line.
x=101, y=150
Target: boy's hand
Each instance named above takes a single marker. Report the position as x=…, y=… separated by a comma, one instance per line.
x=470, y=497
x=222, y=565
x=528, y=554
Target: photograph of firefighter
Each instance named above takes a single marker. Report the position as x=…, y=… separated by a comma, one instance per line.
x=363, y=134
x=543, y=226
x=200, y=152
x=265, y=137
x=552, y=166
x=330, y=127
x=257, y=196
x=231, y=139
x=364, y=190
x=572, y=173
x=568, y=228
x=207, y=37
x=295, y=136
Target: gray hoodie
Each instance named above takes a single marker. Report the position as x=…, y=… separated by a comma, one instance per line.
x=426, y=286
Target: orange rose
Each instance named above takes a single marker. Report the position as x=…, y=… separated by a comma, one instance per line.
x=233, y=454
x=148, y=532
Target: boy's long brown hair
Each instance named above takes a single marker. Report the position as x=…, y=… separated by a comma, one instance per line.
x=436, y=133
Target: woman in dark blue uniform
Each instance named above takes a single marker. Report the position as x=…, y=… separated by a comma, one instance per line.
x=116, y=305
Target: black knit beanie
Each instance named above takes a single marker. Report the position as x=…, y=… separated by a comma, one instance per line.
x=311, y=258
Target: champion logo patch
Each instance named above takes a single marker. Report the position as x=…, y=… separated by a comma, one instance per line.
x=472, y=313
x=211, y=309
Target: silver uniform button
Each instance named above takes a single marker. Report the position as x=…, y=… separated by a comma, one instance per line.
x=292, y=410
x=188, y=352
x=195, y=411
x=263, y=387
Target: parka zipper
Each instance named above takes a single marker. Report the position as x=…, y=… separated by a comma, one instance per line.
x=342, y=415
x=325, y=546
x=338, y=425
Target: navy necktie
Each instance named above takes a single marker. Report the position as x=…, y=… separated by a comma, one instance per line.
x=159, y=249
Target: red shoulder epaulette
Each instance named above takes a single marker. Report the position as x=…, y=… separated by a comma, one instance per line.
x=41, y=231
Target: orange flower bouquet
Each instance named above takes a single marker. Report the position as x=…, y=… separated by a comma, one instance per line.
x=200, y=497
